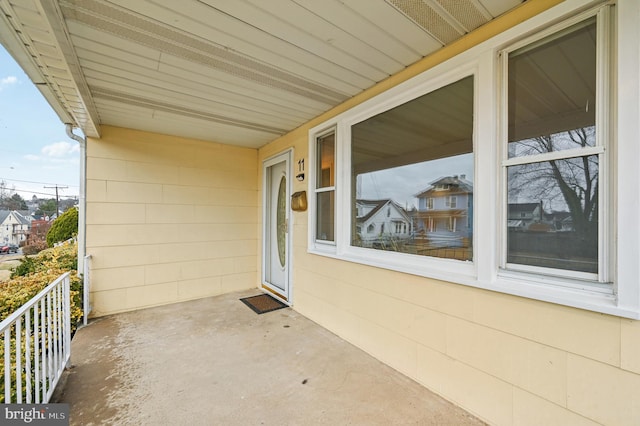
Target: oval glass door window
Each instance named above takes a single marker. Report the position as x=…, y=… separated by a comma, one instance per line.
x=281, y=220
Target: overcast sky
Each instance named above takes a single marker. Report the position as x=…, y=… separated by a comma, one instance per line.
x=34, y=149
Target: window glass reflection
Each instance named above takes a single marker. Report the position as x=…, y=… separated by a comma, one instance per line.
x=412, y=176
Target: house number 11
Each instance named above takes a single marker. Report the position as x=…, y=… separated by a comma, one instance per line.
x=300, y=175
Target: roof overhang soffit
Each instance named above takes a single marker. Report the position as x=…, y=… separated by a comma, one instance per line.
x=37, y=37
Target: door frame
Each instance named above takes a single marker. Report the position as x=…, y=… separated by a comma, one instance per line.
x=285, y=156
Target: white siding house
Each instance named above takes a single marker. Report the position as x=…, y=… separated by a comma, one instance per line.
x=381, y=222
x=14, y=226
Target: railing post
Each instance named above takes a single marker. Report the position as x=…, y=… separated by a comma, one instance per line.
x=86, y=288
x=19, y=360
x=7, y=365
x=67, y=320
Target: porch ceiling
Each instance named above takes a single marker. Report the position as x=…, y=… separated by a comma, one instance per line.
x=240, y=72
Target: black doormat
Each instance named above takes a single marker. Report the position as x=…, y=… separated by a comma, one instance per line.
x=262, y=303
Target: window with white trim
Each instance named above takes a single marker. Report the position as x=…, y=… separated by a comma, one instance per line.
x=554, y=153
x=325, y=190
x=412, y=153
x=452, y=201
x=430, y=203
x=550, y=188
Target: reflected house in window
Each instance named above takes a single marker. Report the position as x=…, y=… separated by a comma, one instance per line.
x=525, y=216
x=381, y=222
x=445, y=212
x=533, y=218
x=560, y=221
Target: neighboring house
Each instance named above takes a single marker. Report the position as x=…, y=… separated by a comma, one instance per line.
x=532, y=217
x=522, y=215
x=14, y=226
x=381, y=220
x=203, y=118
x=445, y=210
x=560, y=221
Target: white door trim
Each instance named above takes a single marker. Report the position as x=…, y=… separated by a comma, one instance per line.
x=285, y=156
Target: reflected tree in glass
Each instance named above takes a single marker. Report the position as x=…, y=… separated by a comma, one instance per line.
x=564, y=234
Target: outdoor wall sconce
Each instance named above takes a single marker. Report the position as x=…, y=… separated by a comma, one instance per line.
x=299, y=201
x=300, y=176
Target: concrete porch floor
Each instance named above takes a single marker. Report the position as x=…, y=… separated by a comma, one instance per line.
x=215, y=362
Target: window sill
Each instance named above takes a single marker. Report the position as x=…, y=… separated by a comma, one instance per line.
x=572, y=293
x=447, y=270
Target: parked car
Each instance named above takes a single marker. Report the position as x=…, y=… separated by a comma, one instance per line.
x=9, y=248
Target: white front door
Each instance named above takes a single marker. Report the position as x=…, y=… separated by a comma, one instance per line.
x=276, y=235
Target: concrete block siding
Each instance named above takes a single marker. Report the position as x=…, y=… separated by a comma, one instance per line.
x=168, y=219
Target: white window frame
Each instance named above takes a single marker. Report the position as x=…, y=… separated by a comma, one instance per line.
x=429, y=203
x=451, y=201
x=620, y=234
x=601, y=279
x=415, y=264
x=320, y=244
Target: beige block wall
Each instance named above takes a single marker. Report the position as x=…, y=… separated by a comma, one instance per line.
x=168, y=219
x=509, y=360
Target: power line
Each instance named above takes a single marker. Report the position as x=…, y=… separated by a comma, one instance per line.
x=57, y=199
x=49, y=194
x=30, y=181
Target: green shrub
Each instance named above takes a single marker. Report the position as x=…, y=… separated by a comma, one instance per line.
x=38, y=272
x=27, y=266
x=31, y=277
x=64, y=227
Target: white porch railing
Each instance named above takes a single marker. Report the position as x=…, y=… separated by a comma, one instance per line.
x=86, y=288
x=37, y=344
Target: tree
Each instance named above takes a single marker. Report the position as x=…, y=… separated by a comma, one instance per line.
x=9, y=199
x=5, y=192
x=47, y=207
x=568, y=184
x=63, y=228
x=15, y=202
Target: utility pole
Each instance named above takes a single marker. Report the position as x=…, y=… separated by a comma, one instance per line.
x=57, y=199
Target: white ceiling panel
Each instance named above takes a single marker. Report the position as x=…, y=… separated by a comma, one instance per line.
x=296, y=34
x=240, y=72
x=237, y=37
x=377, y=35
x=259, y=88
x=99, y=69
x=254, y=95
x=297, y=18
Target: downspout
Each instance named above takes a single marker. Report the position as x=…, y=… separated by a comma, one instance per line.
x=82, y=205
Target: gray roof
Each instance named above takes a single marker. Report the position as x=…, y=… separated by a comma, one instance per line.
x=21, y=215
x=377, y=206
x=523, y=207
x=463, y=185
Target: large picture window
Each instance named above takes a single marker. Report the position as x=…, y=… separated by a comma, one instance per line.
x=553, y=166
x=510, y=167
x=412, y=176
